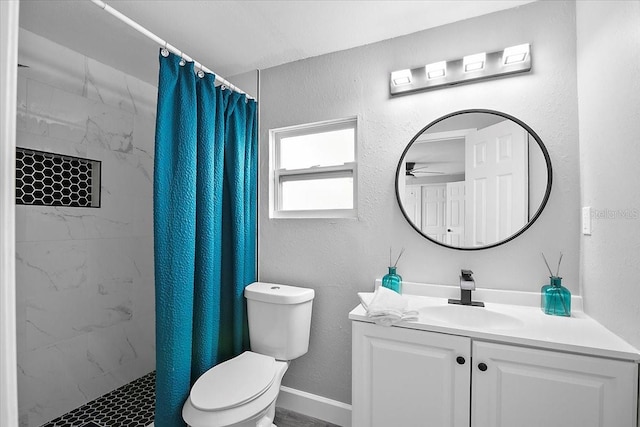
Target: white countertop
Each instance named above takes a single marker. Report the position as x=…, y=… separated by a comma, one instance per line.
x=527, y=325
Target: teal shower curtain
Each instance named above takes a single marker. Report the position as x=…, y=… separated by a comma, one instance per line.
x=204, y=229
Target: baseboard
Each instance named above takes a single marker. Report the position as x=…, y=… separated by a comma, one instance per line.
x=314, y=406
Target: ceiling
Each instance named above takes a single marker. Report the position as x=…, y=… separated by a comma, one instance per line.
x=233, y=37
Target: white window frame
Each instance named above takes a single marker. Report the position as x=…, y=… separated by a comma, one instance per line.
x=279, y=175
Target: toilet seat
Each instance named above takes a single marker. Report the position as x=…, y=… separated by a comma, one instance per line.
x=247, y=413
x=234, y=382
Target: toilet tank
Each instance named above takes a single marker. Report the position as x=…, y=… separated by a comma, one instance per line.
x=279, y=319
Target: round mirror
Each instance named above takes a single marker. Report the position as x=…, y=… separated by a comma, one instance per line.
x=473, y=179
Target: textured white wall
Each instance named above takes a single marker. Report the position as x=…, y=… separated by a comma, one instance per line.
x=339, y=257
x=608, y=54
x=248, y=82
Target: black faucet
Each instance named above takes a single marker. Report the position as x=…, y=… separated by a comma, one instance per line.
x=467, y=284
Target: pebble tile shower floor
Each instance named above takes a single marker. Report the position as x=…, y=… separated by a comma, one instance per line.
x=131, y=405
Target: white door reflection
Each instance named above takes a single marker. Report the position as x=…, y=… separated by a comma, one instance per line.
x=473, y=180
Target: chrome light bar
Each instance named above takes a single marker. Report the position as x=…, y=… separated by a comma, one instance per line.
x=471, y=68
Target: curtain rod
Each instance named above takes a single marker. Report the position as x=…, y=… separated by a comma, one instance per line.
x=133, y=24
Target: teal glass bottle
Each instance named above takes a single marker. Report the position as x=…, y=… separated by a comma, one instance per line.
x=556, y=299
x=392, y=280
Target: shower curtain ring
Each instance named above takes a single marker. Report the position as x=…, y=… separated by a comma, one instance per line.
x=182, y=61
x=164, y=52
x=200, y=73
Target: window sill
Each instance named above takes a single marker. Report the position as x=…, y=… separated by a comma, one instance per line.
x=351, y=214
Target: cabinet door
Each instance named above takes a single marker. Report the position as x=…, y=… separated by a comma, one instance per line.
x=409, y=378
x=531, y=388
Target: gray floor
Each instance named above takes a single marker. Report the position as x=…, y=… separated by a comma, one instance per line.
x=285, y=418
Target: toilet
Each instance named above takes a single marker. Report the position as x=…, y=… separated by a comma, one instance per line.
x=242, y=392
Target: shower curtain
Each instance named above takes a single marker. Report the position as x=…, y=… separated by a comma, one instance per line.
x=204, y=229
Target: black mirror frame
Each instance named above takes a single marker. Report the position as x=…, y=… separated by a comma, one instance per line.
x=497, y=113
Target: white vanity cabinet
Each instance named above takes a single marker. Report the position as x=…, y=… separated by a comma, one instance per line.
x=525, y=387
x=410, y=378
x=404, y=377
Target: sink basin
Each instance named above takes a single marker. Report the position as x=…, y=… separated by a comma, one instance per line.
x=467, y=316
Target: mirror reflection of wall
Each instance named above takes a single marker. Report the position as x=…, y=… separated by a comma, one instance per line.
x=473, y=179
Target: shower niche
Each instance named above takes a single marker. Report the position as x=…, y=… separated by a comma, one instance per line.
x=49, y=179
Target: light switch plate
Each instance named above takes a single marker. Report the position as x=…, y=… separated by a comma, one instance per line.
x=586, y=221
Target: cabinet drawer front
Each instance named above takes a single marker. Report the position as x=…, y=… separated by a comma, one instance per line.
x=409, y=378
x=531, y=388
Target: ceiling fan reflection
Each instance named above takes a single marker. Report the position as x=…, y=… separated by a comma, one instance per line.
x=414, y=171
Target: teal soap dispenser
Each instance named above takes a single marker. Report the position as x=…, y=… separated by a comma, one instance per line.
x=555, y=299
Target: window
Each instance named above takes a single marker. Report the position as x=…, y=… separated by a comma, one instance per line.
x=313, y=170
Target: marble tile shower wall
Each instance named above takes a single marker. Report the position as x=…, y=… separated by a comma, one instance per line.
x=85, y=285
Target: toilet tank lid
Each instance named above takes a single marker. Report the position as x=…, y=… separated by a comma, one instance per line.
x=278, y=294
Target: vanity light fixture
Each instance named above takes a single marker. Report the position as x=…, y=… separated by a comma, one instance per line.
x=402, y=77
x=474, y=62
x=515, y=54
x=479, y=66
x=436, y=70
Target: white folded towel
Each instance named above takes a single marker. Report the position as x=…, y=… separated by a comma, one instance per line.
x=386, y=307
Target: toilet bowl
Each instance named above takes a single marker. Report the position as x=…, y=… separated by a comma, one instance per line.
x=242, y=391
